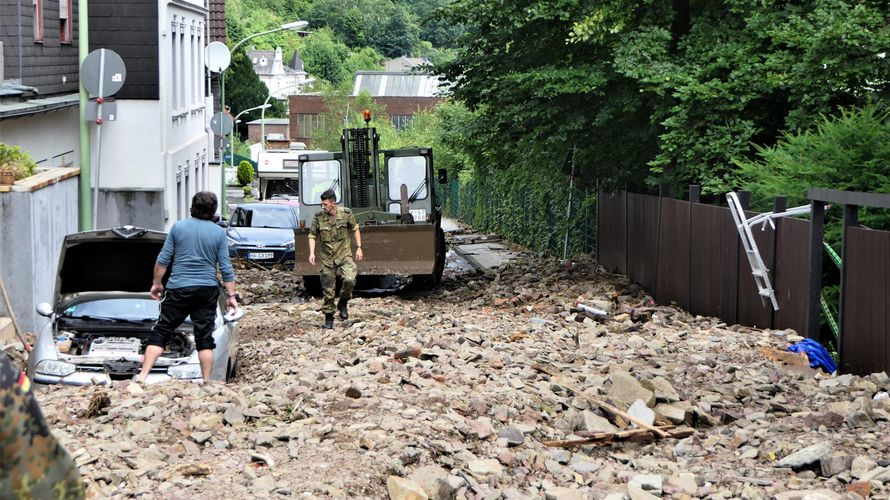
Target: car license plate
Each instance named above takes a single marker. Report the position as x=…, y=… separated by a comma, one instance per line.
x=112, y=346
x=419, y=214
x=260, y=255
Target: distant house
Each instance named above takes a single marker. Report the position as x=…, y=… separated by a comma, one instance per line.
x=39, y=74
x=405, y=64
x=401, y=93
x=280, y=79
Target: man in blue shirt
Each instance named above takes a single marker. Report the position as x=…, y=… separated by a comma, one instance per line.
x=195, y=247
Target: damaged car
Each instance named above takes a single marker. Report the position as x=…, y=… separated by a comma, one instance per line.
x=102, y=314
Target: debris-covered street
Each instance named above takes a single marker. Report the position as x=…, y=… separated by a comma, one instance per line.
x=469, y=392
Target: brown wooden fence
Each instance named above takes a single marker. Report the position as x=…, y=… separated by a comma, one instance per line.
x=866, y=311
x=689, y=254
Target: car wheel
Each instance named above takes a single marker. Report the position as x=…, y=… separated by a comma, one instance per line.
x=233, y=370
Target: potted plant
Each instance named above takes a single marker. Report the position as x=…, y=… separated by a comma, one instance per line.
x=14, y=164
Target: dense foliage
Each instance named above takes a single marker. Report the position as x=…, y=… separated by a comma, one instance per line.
x=683, y=89
x=849, y=152
x=346, y=35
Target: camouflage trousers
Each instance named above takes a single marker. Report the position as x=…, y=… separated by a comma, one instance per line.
x=32, y=463
x=347, y=271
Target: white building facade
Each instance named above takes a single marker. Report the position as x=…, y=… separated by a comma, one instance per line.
x=154, y=156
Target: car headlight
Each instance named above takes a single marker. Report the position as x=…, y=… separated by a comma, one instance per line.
x=55, y=367
x=185, y=371
x=289, y=245
x=231, y=241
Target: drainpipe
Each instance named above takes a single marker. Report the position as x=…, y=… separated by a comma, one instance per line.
x=86, y=195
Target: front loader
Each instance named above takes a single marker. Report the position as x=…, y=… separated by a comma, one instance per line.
x=394, y=204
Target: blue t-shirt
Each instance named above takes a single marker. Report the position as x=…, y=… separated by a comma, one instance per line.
x=196, y=247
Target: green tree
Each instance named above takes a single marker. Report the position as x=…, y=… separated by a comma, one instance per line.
x=244, y=90
x=399, y=35
x=849, y=151
x=324, y=57
x=245, y=173
x=686, y=88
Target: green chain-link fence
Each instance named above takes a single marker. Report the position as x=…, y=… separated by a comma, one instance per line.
x=536, y=220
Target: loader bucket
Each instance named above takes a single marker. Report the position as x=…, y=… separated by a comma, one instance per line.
x=389, y=249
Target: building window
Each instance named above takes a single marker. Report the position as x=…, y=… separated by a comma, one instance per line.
x=308, y=123
x=38, y=21
x=65, y=21
x=179, y=193
x=400, y=121
x=174, y=80
x=193, y=87
x=183, y=75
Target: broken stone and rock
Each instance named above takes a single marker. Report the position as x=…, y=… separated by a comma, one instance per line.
x=434, y=395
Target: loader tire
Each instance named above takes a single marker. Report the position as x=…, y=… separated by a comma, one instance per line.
x=312, y=285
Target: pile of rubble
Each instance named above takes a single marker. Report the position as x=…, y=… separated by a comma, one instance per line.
x=258, y=284
x=539, y=380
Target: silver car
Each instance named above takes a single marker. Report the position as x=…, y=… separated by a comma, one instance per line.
x=102, y=314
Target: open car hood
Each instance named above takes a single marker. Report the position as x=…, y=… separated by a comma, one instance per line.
x=110, y=260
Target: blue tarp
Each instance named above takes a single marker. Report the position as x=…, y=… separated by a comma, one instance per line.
x=818, y=355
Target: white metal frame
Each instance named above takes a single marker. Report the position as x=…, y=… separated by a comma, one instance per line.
x=743, y=225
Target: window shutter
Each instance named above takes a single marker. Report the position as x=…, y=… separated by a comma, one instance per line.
x=63, y=9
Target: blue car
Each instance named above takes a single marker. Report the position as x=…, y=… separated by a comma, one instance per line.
x=263, y=233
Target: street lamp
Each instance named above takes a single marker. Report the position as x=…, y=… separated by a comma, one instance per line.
x=294, y=26
x=232, y=133
x=263, y=114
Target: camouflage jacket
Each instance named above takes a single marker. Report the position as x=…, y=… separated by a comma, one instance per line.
x=32, y=463
x=332, y=233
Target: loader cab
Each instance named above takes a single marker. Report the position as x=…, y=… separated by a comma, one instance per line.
x=318, y=173
x=408, y=174
x=410, y=167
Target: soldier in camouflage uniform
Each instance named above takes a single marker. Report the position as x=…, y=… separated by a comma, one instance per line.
x=32, y=463
x=330, y=229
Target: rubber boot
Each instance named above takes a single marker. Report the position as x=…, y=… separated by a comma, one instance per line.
x=328, y=321
x=344, y=313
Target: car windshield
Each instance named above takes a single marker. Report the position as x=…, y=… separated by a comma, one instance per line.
x=275, y=216
x=282, y=187
x=129, y=309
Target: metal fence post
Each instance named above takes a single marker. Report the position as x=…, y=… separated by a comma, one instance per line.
x=817, y=228
x=780, y=203
x=851, y=218
x=694, y=197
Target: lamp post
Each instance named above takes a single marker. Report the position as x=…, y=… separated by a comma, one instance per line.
x=232, y=133
x=263, y=114
x=296, y=25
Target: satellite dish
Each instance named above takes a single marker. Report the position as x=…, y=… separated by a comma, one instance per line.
x=103, y=73
x=217, y=57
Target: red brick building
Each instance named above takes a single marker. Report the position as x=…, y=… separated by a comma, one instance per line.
x=401, y=94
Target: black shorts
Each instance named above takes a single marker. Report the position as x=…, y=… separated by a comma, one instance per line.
x=199, y=302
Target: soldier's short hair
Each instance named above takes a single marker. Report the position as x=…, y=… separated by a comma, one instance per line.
x=329, y=195
x=204, y=205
